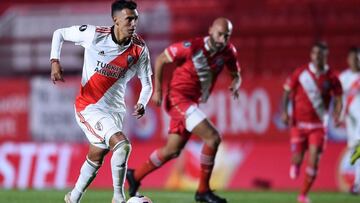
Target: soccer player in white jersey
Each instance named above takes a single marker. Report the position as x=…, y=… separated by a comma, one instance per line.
x=350, y=82
x=113, y=55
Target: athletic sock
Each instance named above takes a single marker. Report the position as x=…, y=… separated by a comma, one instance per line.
x=88, y=172
x=155, y=160
x=207, y=159
x=119, y=161
x=310, y=176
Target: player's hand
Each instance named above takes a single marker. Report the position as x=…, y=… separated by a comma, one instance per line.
x=56, y=72
x=157, y=98
x=235, y=85
x=338, y=122
x=285, y=118
x=234, y=92
x=139, y=111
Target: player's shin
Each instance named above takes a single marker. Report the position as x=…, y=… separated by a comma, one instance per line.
x=88, y=172
x=155, y=160
x=310, y=176
x=207, y=163
x=119, y=161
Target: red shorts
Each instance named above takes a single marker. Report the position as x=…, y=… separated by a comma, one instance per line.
x=177, y=117
x=301, y=139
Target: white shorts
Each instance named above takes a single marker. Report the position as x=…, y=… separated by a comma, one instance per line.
x=353, y=123
x=193, y=117
x=99, y=126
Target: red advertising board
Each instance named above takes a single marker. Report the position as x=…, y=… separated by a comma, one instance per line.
x=14, y=109
x=245, y=165
x=255, y=115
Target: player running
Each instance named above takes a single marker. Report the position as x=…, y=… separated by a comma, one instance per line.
x=199, y=61
x=310, y=88
x=113, y=55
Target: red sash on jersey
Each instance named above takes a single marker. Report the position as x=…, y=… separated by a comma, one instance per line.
x=312, y=90
x=353, y=91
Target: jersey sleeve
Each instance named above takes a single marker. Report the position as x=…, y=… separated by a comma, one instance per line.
x=232, y=63
x=178, y=51
x=143, y=65
x=80, y=35
x=292, y=81
x=144, y=73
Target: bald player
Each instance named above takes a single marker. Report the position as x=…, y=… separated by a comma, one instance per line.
x=199, y=62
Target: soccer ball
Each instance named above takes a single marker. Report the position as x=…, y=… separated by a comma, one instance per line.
x=139, y=199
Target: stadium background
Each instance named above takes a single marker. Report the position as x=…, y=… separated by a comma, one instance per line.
x=41, y=147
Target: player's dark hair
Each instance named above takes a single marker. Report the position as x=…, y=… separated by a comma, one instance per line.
x=322, y=45
x=119, y=5
x=354, y=49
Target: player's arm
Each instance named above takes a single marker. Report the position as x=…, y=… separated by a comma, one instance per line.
x=338, y=101
x=233, y=66
x=78, y=34
x=337, y=109
x=289, y=86
x=160, y=62
x=235, y=84
x=285, y=103
x=290, y=83
x=144, y=74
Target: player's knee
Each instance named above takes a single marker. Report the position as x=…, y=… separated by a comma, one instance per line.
x=95, y=163
x=214, y=141
x=311, y=172
x=172, y=153
x=296, y=158
x=123, y=147
x=175, y=154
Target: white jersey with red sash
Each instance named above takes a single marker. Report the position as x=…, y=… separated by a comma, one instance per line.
x=107, y=67
x=350, y=82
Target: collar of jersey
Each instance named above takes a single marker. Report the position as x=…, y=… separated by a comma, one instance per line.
x=113, y=37
x=314, y=70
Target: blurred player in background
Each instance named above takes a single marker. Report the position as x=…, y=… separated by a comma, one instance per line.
x=199, y=62
x=350, y=81
x=310, y=89
x=113, y=55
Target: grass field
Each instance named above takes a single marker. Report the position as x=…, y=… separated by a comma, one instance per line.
x=100, y=196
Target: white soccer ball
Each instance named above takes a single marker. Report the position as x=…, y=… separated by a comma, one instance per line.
x=139, y=199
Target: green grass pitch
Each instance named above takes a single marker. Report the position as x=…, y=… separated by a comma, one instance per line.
x=164, y=196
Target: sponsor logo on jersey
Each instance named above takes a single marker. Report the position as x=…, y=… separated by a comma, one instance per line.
x=110, y=70
x=83, y=28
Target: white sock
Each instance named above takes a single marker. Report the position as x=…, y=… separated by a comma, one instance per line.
x=119, y=160
x=88, y=172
